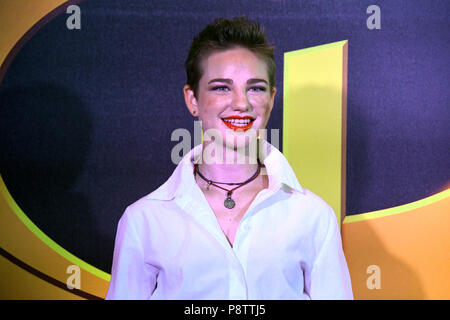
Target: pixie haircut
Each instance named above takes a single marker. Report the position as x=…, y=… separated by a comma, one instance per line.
x=225, y=34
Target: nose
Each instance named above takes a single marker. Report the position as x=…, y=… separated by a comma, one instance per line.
x=240, y=101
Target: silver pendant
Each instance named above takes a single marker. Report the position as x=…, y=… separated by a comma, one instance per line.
x=229, y=203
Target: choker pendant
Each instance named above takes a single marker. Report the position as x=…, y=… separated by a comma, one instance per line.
x=229, y=203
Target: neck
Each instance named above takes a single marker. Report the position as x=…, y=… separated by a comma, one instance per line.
x=230, y=165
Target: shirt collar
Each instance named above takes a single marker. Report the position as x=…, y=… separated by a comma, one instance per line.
x=182, y=180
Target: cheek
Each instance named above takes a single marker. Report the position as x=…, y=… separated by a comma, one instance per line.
x=212, y=106
x=261, y=105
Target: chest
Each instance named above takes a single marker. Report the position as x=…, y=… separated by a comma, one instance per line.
x=267, y=246
x=229, y=219
x=185, y=240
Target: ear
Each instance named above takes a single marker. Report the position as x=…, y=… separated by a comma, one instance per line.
x=272, y=97
x=191, y=101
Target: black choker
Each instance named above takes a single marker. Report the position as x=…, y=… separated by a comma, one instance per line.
x=229, y=203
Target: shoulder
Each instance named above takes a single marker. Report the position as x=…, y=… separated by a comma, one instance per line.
x=312, y=210
x=141, y=210
x=313, y=203
x=318, y=219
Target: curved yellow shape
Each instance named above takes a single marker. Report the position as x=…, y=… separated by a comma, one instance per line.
x=43, y=237
x=20, y=239
x=408, y=244
x=17, y=17
x=399, y=209
x=23, y=240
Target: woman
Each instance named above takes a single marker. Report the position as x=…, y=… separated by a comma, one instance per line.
x=229, y=223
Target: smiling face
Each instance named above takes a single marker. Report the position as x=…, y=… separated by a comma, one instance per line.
x=233, y=94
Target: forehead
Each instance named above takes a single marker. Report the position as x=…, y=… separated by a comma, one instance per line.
x=233, y=63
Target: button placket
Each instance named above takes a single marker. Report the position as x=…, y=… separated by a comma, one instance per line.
x=238, y=286
x=241, y=247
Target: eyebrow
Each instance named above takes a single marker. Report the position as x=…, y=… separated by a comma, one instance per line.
x=253, y=81
x=229, y=81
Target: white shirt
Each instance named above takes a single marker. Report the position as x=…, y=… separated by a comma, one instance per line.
x=169, y=244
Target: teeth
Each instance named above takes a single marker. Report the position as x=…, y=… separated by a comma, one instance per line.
x=238, y=122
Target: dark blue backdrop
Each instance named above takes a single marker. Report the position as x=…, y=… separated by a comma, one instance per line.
x=87, y=115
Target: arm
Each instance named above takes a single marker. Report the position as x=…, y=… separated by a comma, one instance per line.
x=329, y=277
x=131, y=277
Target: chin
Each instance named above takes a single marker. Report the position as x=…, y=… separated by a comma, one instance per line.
x=244, y=143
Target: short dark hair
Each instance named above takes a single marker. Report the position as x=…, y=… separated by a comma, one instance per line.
x=225, y=34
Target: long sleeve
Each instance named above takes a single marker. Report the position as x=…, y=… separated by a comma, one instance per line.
x=131, y=277
x=329, y=278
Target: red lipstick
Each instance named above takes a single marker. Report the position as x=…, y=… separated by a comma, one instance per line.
x=238, y=123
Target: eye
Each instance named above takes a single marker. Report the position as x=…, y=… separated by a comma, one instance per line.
x=220, y=88
x=258, y=89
